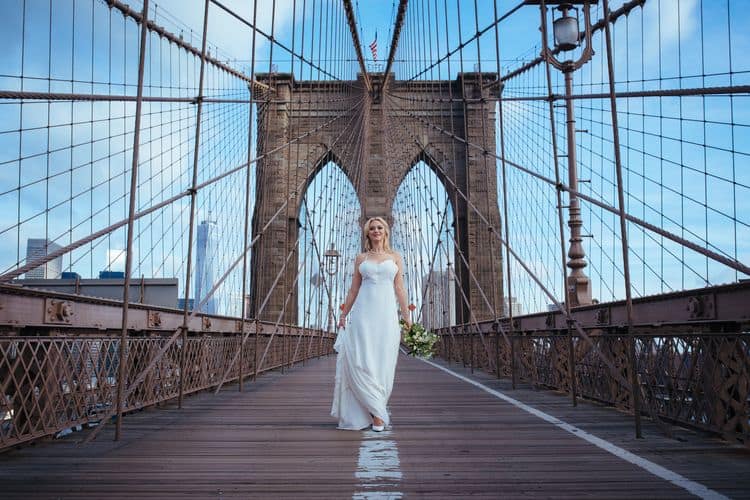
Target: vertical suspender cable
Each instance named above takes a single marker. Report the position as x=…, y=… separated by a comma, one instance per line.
x=251, y=92
x=122, y=372
x=635, y=386
x=506, y=223
x=193, y=194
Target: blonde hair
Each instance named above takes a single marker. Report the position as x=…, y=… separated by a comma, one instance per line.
x=386, y=240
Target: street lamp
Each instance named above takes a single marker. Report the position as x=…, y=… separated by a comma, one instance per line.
x=567, y=37
x=565, y=29
x=332, y=266
x=332, y=260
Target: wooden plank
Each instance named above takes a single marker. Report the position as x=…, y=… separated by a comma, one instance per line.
x=448, y=439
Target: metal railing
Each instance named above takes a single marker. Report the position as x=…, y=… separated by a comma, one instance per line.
x=692, y=371
x=63, y=371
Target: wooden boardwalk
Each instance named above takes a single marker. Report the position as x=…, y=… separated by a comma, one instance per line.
x=449, y=439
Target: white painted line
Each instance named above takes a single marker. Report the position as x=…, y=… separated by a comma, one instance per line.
x=696, y=489
x=378, y=468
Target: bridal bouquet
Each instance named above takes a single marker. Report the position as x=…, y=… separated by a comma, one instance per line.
x=418, y=340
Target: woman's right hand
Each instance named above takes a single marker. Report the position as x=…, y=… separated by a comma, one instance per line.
x=407, y=323
x=342, y=321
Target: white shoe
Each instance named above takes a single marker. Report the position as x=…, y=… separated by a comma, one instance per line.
x=378, y=428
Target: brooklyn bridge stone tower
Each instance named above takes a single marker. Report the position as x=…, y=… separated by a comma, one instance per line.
x=383, y=135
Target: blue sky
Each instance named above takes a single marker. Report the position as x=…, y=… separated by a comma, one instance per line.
x=84, y=152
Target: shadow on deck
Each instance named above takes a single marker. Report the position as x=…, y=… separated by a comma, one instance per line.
x=449, y=439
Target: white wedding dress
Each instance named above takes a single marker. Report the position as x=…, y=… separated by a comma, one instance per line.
x=367, y=349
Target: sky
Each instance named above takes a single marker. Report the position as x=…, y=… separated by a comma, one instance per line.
x=81, y=150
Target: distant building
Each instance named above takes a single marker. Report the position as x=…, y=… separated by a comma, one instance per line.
x=37, y=248
x=109, y=275
x=512, y=305
x=206, y=255
x=153, y=291
x=439, y=292
x=181, y=304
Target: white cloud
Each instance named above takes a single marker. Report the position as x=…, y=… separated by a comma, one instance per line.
x=668, y=22
x=115, y=259
x=232, y=37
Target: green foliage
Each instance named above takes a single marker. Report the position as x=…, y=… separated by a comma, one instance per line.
x=419, y=340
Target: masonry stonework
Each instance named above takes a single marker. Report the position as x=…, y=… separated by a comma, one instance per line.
x=376, y=140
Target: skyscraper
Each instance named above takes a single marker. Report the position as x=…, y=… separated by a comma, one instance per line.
x=206, y=256
x=512, y=305
x=439, y=292
x=37, y=248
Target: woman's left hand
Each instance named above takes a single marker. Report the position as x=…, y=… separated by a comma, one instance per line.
x=407, y=323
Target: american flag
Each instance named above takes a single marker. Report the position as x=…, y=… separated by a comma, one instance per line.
x=374, y=48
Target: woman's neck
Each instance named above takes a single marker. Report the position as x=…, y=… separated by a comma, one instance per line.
x=377, y=249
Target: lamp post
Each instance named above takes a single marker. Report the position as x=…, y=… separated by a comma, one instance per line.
x=332, y=266
x=567, y=38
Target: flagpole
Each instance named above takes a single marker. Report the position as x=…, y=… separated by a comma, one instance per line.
x=374, y=49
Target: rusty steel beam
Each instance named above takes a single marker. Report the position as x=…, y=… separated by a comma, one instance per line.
x=712, y=311
x=357, y=44
x=37, y=310
x=25, y=311
x=394, y=41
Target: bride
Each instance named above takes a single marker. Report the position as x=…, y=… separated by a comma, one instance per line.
x=368, y=347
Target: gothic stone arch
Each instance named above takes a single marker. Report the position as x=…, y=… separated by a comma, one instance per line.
x=382, y=139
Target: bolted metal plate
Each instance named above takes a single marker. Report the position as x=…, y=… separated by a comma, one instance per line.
x=549, y=320
x=701, y=307
x=603, y=316
x=154, y=319
x=58, y=311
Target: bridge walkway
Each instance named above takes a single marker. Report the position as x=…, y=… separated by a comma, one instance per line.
x=453, y=436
